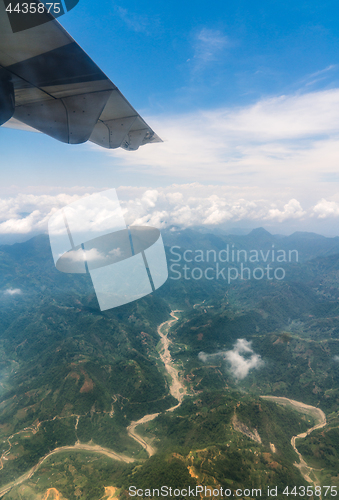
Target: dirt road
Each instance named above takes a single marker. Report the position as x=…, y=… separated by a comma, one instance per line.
x=177, y=390
x=131, y=432
x=319, y=417
x=76, y=447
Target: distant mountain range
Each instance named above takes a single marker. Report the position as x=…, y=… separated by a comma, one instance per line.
x=309, y=245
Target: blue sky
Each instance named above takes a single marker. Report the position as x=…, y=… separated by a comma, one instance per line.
x=244, y=94
x=176, y=56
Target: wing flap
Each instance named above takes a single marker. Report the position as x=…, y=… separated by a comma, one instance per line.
x=73, y=118
x=111, y=133
x=121, y=126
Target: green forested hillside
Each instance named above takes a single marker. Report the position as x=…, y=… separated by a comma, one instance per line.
x=70, y=373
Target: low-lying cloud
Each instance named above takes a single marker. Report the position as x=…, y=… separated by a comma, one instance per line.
x=13, y=291
x=182, y=205
x=80, y=255
x=240, y=360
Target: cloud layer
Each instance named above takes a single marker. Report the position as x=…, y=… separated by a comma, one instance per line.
x=179, y=205
x=271, y=163
x=286, y=145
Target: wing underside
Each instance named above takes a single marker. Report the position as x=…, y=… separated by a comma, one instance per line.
x=50, y=84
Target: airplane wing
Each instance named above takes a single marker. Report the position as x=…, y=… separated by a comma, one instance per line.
x=49, y=83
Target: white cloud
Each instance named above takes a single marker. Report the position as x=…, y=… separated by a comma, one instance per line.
x=179, y=205
x=240, y=366
x=13, y=291
x=336, y=358
x=150, y=198
x=33, y=222
x=139, y=23
x=318, y=75
x=264, y=162
x=283, y=144
x=191, y=207
x=326, y=208
x=116, y=252
x=241, y=359
x=28, y=213
x=208, y=45
x=81, y=255
x=292, y=210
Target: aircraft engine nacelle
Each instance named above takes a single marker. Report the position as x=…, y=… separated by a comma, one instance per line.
x=7, y=100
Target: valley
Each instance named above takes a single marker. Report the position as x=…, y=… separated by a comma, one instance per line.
x=150, y=390
x=320, y=421
x=176, y=389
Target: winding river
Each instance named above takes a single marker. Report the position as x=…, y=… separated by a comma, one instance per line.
x=318, y=415
x=177, y=390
